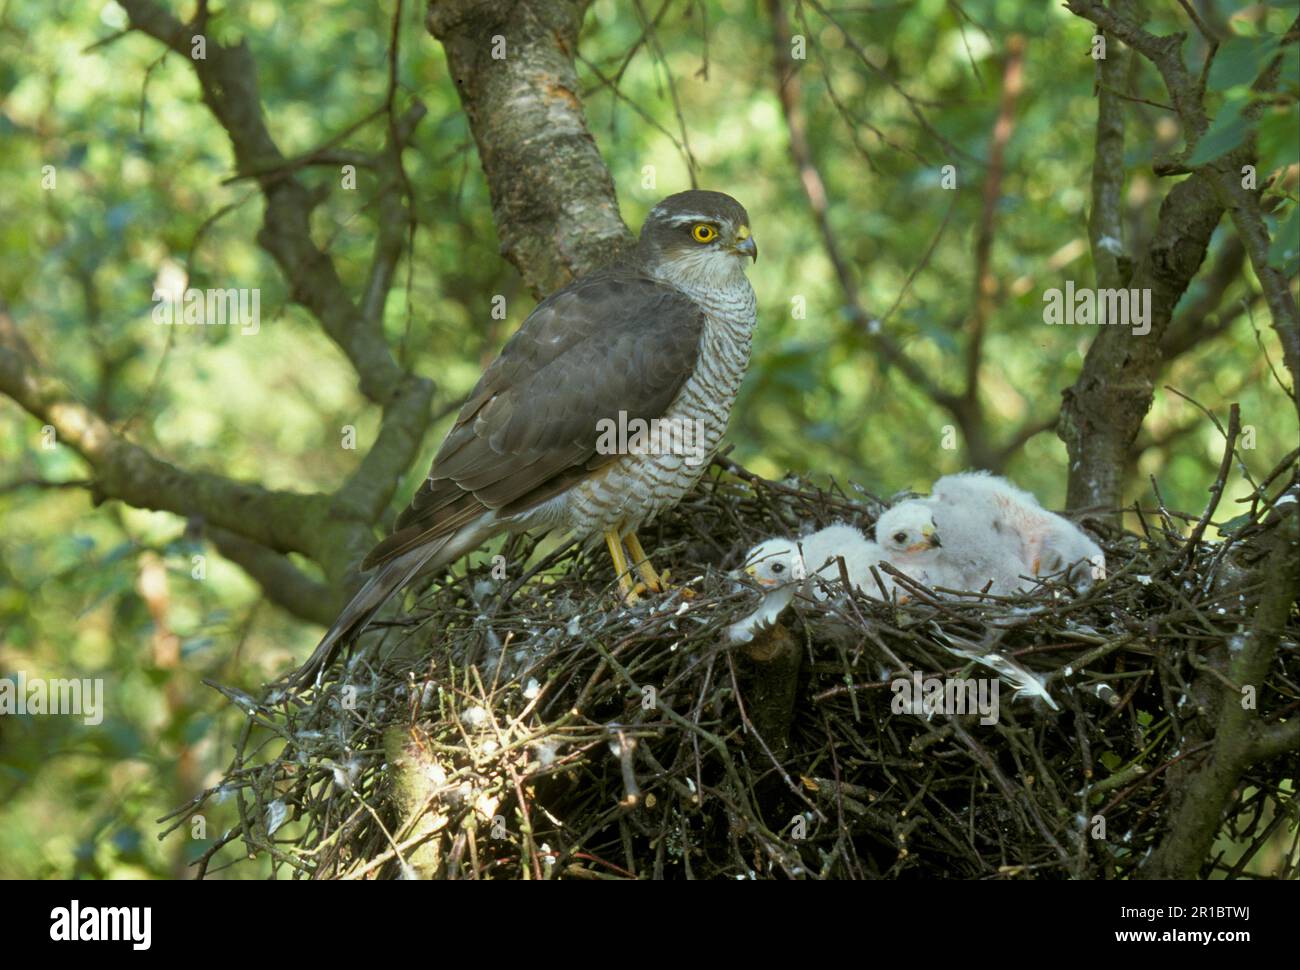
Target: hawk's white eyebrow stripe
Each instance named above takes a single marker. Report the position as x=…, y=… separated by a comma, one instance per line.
x=691, y=217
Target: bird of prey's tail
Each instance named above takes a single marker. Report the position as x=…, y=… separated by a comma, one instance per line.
x=393, y=564
x=361, y=609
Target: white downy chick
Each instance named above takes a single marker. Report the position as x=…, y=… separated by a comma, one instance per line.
x=822, y=551
x=1043, y=543
x=910, y=540
x=1069, y=550
x=778, y=568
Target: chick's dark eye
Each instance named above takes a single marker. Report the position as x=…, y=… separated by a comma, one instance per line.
x=703, y=233
x=900, y=536
x=778, y=567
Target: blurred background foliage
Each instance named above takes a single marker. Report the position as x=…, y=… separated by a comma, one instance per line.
x=143, y=188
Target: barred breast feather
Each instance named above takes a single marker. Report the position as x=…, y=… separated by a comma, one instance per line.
x=637, y=487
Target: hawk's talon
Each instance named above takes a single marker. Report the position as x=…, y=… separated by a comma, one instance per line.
x=654, y=581
x=635, y=558
x=686, y=591
x=625, y=585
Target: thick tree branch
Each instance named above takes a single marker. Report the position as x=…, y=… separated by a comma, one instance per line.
x=228, y=78
x=1243, y=208
x=1164, y=52
x=1277, y=739
x=1223, y=174
x=1104, y=410
x=553, y=200
x=253, y=524
x=1240, y=739
x=1106, y=219
x=328, y=529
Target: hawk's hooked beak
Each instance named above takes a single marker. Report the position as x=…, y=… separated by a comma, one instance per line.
x=745, y=243
x=752, y=573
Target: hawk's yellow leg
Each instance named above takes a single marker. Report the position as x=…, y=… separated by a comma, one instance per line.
x=616, y=553
x=655, y=582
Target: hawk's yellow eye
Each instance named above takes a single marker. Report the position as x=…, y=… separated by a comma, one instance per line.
x=703, y=233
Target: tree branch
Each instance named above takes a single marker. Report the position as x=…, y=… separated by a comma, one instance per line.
x=814, y=188
x=1223, y=174
x=1106, y=220
x=228, y=79
x=333, y=530
x=1243, y=208
x=282, y=582
x=985, y=283
x=123, y=470
x=553, y=199
x=1239, y=738
x=1104, y=410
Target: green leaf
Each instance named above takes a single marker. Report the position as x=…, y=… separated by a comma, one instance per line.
x=1241, y=60
x=1228, y=130
x=1279, y=140
x=1285, y=251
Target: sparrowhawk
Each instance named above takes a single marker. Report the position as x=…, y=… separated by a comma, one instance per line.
x=660, y=333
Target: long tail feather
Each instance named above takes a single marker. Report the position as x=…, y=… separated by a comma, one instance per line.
x=361, y=609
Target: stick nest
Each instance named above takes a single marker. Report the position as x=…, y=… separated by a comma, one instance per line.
x=534, y=727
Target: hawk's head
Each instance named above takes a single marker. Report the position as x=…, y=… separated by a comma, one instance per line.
x=698, y=235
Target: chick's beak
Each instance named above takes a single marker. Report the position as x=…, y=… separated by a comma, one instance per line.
x=929, y=540
x=745, y=244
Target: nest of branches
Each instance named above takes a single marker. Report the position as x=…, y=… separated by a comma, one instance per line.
x=534, y=727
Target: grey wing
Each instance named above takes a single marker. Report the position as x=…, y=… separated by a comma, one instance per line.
x=615, y=341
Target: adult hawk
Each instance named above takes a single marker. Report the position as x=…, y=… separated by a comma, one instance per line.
x=661, y=333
